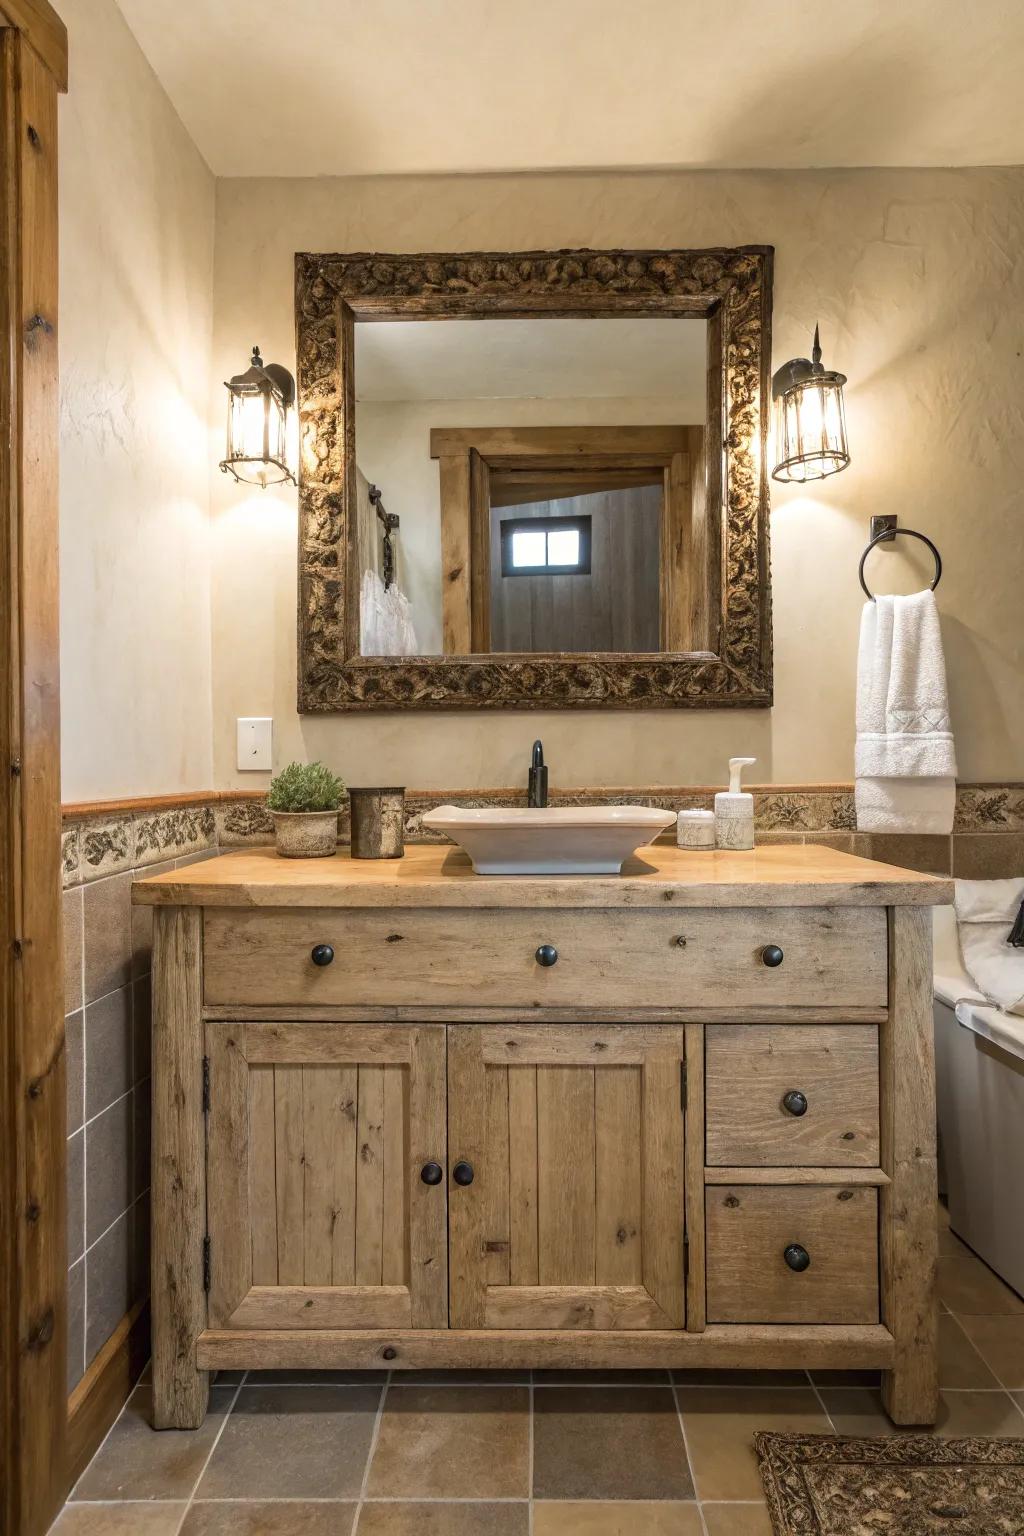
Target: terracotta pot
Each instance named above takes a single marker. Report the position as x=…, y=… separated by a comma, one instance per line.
x=306, y=834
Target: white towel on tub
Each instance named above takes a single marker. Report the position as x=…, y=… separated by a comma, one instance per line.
x=905, y=760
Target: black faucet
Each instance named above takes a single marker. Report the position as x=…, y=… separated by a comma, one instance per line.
x=537, y=780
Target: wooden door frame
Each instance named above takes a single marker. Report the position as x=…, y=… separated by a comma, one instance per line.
x=33, y=1238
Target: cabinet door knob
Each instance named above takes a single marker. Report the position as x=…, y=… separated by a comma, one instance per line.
x=797, y=1257
x=771, y=956
x=795, y=1102
x=547, y=954
x=431, y=1173
x=462, y=1173
x=322, y=954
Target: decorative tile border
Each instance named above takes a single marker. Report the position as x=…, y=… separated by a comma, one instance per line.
x=112, y=839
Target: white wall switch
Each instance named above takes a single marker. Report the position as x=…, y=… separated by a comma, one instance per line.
x=255, y=744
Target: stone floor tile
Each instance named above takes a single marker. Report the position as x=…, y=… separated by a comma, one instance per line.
x=859, y=1411
x=736, y=1519
x=302, y=1442
x=962, y=1414
x=293, y=1517
x=465, y=1442
x=966, y=1285
x=720, y=1424
x=476, y=1518
x=592, y=1517
x=608, y=1443
x=139, y=1462
x=1000, y=1342
x=846, y=1378
x=118, y=1520
x=960, y=1364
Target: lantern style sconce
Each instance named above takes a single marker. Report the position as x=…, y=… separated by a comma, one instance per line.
x=260, y=401
x=810, y=423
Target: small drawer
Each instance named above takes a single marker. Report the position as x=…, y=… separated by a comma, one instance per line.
x=792, y=1254
x=792, y=1095
x=741, y=958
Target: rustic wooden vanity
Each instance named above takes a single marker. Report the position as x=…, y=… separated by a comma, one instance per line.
x=406, y=1116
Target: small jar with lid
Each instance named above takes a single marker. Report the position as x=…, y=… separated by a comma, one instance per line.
x=695, y=829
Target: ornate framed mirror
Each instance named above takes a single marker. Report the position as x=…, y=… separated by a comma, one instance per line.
x=554, y=499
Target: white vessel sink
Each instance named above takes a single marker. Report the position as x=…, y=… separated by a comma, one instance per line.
x=569, y=840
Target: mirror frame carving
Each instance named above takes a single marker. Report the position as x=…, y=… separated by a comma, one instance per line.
x=730, y=288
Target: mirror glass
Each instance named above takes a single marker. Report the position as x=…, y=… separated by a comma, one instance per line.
x=528, y=485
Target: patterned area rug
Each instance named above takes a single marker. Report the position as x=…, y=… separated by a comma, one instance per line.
x=900, y=1485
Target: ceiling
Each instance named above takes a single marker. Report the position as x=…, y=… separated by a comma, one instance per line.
x=626, y=359
x=350, y=87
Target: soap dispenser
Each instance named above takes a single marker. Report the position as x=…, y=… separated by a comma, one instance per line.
x=734, y=810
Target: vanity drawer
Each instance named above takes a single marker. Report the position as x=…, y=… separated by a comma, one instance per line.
x=599, y=959
x=792, y=1095
x=751, y=1227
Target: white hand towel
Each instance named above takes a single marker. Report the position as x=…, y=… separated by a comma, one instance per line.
x=905, y=761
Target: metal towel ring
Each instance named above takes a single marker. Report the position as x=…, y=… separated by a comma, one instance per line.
x=883, y=538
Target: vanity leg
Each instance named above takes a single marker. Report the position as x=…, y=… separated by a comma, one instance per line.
x=180, y=1391
x=908, y=1230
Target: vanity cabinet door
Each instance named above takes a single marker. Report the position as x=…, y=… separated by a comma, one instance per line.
x=320, y=1212
x=566, y=1176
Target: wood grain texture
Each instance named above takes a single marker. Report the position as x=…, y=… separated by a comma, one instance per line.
x=718, y=1348
x=566, y=1194
x=229, y=1137
x=105, y=1388
x=179, y=1171
x=604, y=958
x=748, y=1229
x=851, y=1177
x=907, y=1206
x=776, y=875
x=619, y=1222
x=456, y=555
x=524, y=1259
x=42, y=28
x=467, y=1142
x=33, y=1246
x=732, y=287
x=663, y=1213
x=693, y=1179
x=751, y=1068
x=573, y=1306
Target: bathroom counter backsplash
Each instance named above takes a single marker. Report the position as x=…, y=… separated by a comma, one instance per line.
x=108, y=839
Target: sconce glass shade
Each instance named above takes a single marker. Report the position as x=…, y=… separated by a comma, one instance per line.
x=260, y=401
x=810, y=421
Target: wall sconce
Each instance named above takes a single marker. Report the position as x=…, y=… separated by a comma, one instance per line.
x=810, y=423
x=259, y=403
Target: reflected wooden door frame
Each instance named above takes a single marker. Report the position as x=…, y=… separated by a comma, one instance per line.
x=729, y=288
x=467, y=459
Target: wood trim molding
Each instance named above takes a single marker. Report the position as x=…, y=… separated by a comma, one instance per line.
x=39, y=24
x=104, y=1389
x=732, y=289
x=33, y=1240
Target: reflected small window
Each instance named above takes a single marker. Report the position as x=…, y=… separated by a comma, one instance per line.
x=548, y=546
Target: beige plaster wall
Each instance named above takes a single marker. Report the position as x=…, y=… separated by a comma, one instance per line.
x=136, y=218
x=917, y=281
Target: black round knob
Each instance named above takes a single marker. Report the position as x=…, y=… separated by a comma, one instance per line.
x=322, y=954
x=547, y=954
x=431, y=1173
x=795, y=1102
x=797, y=1258
x=462, y=1173
x=389, y=1353
x=771, y=956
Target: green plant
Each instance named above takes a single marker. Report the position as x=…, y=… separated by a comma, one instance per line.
x=305, y=787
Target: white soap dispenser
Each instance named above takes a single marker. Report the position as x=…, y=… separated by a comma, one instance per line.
x=734, y=810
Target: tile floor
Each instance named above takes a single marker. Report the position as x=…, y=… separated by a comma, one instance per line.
x=642, y=1453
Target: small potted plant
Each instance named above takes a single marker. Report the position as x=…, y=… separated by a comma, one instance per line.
x=304, y=800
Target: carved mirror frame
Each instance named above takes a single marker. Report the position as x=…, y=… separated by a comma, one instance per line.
x=731, y=663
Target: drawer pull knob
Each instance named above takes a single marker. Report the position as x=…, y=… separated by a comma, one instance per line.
x=795, y=1102
x=547, y=954
x=390, y=1353
x=462, y=1173
x=431, y=1173
x=322, y=954
x=771, y=956
x=797, y=1258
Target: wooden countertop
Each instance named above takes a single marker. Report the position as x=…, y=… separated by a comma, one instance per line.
x=780, y=875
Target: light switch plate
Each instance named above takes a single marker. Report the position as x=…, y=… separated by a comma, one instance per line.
x=255, y=744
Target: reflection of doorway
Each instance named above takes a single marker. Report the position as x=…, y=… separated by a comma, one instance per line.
x=596, y=586
x=653, y=473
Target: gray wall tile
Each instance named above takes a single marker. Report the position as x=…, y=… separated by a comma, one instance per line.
x=142, y=920
x=74, y=1056
x=108, y=1050
x=76, y=1196
x=108, y=1151
x=108, y=1285
x=76, y=1324
x=107, y=935
x=72, y=901
x=141, y=1131
x=142, y=1027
